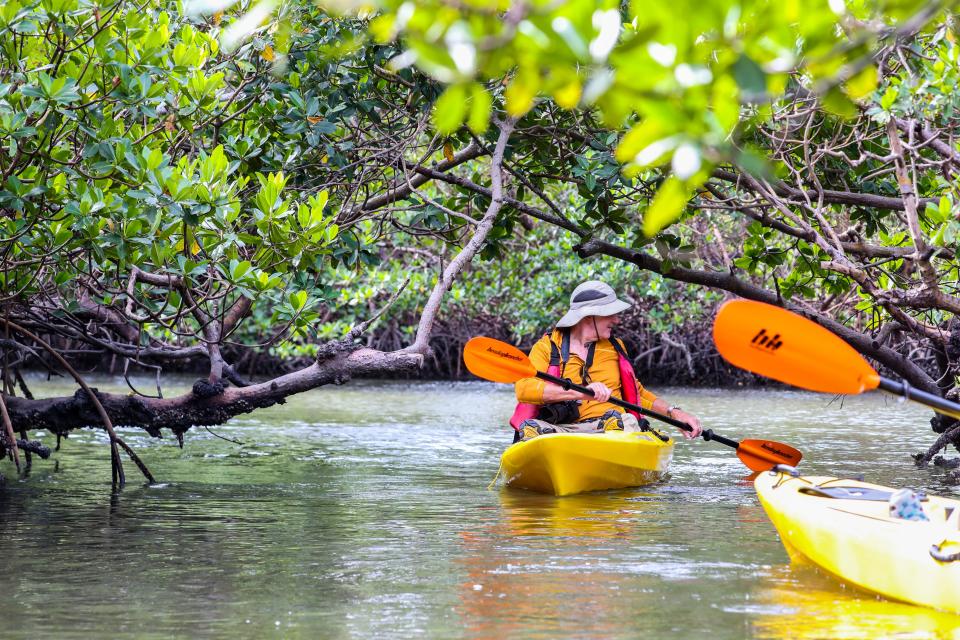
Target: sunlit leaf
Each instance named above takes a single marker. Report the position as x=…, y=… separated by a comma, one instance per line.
x=520, y=93
x=481, y=104
x=862, y=84
x=837, y=103
x=450, y=109
x=666, y=207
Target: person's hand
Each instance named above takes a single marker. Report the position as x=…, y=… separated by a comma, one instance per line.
x=601, y=392
x=691, y=420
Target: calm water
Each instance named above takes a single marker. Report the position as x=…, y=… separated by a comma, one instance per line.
x=363, y=512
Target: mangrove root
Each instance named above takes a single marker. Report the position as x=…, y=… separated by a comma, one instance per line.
x=35, y=446
x=947, y=438
x=952, y=463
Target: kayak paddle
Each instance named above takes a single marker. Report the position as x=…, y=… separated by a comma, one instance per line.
x=500, y=362
x=782, y=345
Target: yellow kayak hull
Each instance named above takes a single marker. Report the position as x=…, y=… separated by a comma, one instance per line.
x=563, y=464
x=858, y=541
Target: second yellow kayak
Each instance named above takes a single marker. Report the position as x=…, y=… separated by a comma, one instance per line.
x=566, y=463
x=845, y=527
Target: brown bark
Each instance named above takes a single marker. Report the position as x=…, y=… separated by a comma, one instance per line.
x=63, y=414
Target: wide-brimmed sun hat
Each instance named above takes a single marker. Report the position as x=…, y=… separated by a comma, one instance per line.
x=592, y=298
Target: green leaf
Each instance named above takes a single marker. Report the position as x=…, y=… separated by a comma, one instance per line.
x=481, y=104
x=154, y=158
x=889, y=97
x=749, y=76
x=239, y=269
x=331, y=232
x=639, y=138
x=63, y=235
x=519, y=95
x=838, y=104
x=938, y=237
x=382, y=28
x=726, y=103
x=567, y=31
x=320, y=200
x=862, y=84
x=32, y=91
x=450, y=109
x=298, y=300
x=666, y=207
x=755, y=164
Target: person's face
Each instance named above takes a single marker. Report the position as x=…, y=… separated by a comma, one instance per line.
x=605, y=325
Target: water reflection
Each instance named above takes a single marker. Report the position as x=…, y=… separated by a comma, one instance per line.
x=544, y=562
x=597, y=515
x=802, y=602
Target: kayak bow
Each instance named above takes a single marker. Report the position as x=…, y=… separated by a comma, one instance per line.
x=844, y=526
x=566, y=463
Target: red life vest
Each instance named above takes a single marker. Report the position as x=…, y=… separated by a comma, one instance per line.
x=628, y=379
x=526, y=410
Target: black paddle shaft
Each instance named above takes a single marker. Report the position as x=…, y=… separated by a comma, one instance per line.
x=707, y=434
x=904, y=390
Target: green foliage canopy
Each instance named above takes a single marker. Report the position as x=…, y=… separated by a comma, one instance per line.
x=673, y=75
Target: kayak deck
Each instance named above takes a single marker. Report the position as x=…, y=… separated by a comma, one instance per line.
x=858, y=541
x=567, y=463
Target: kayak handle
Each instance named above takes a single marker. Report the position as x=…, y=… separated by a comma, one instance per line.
x=793, y=472
x=937, y=554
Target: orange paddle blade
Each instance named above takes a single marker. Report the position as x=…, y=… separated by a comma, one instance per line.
x=781, y=345
x=760, y=455
x=496, y=361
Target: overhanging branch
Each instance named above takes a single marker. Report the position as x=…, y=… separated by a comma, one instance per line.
x=864, y=344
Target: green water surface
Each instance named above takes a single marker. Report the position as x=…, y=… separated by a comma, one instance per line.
x=363, y=512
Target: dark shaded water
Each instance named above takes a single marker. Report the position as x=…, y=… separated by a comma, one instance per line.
x=363, y=511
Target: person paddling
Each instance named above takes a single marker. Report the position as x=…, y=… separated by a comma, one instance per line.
x=581, y=349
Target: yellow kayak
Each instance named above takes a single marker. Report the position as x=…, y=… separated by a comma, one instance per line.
x=566, y=463
x=844, y=526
